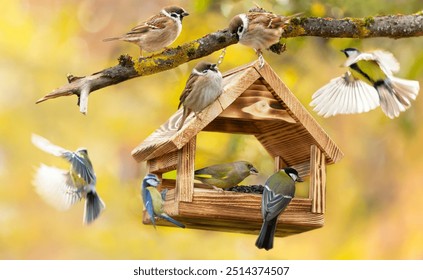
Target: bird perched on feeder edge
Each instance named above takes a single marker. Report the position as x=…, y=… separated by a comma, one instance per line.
x=61, y=188
x=157, y=32
x=153, y=200
x=278, y=192
x=369, y=83
x=225, y=175
x=203, y=87
x=259, y=30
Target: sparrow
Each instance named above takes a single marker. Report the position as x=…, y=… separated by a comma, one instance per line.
x=368, y=83
x=278, y=192
x=225, y=175
x=203, y=87
x=258, y=30
x=153, y=200
x=157, y=32
x=63, y=188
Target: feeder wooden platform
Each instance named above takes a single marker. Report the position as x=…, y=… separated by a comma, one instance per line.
x=254, y=102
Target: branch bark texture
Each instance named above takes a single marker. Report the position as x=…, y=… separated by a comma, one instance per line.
x=391, y=26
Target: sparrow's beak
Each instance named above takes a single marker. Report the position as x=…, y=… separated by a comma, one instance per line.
x=184, y=14
x=253, y=171
x=214, y=67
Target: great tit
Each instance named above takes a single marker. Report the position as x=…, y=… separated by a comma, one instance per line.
x=226, y=175
x=61, y=188
x=153, y=200
x=369, y=83
x=278, y=192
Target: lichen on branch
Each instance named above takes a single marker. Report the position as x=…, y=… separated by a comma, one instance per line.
x=391, y=26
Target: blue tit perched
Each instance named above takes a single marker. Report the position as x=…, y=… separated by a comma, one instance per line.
x=61, y=188
x=225, y=175
x=203, y=87
x=153, y=200
x=369, y=83
x=278, y=192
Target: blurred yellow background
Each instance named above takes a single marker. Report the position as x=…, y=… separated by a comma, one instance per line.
x=374, y=194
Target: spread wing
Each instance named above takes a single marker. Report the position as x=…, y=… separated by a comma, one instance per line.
x=48, y=147
x=55, y=186
x=82, y=167
x=344, y=95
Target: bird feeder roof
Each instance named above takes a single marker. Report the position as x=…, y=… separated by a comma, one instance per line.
x=255, y=101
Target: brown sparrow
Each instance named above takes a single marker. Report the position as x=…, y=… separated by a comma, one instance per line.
x=258, y=30
x=203, y=87
x=157, y=32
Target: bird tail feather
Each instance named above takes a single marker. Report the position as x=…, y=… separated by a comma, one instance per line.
x=173, y=221
x=396, y=94
x=267, y=234
x=93, y=207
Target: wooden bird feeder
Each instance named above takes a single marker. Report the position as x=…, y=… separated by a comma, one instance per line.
x=254, y=102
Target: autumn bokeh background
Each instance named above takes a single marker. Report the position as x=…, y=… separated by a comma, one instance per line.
x=374, y=194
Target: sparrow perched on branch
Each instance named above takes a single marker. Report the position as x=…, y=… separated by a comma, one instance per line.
x=225, y=175
x=278, y=192
x=203, y=87
x=61, y=188
x=157, y=32
x=369, y=83
x=153, y=200
x=258, y=30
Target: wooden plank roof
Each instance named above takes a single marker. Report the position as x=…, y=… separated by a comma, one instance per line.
x=255, y=101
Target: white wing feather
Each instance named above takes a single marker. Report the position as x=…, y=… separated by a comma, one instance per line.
x=55, y=187
x=46, y=146
x=344, y=95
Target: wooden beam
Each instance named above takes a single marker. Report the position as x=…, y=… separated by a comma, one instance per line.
x=317, y=180
x=185, y=172
x=164, y=163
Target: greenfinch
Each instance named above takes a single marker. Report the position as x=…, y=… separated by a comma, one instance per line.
x=225, y=175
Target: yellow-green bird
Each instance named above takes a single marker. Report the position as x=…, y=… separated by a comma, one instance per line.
x=153, y=200
x=225, y=175
x=278, y=192
x=63, y=188
x=369, y=83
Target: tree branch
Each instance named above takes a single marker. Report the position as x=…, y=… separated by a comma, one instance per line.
x=391, y=26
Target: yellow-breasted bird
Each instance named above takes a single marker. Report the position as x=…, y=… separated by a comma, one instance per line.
x=61, y=188
x=369, y=83
x=278, y=192
x=225, y=175
x=153, y=200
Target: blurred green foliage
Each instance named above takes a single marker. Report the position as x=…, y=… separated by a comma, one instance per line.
x=374, y=195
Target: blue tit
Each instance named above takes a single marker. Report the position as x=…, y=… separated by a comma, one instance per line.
x=153, y=200
x=62, y=188
x=225, y=175
x=203, y=87
x=369, y=83
x=278, y=192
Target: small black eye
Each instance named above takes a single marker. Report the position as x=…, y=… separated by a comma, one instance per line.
x=205, y=71
x=175, y=15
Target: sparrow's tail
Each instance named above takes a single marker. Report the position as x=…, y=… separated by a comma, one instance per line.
x=173, y=221
x=396, y=94
x=185, y=114
x=267, y=234
x=93, y=207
